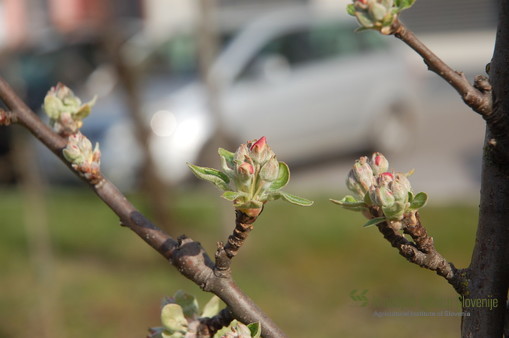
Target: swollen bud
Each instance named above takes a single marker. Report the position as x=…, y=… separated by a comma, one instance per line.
x=83, y=158
x=378, y=163
x=363, y=173
x=251, y=177
x=65, y=110
x=270, y=170
x=381, y=196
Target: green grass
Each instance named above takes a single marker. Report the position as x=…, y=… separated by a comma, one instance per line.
x=299, y=264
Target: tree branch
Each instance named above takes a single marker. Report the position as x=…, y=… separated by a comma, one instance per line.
x=186, y=255
x=422, y=250
x=477, y=96
x=225, y=253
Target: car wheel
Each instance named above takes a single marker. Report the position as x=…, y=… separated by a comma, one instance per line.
x=394, y=132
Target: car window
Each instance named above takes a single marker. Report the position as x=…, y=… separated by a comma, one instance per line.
x=179, y=55
x=317, y=43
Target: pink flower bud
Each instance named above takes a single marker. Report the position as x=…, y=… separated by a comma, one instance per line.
x=403, y=180
x=259, y=151
x=270, y=170
x=381, y=196
x=399, y=191
x=353, y=185
x=384, y=178
x=259, y=145
x=246, y=169
x=363, y=173
x=378, y=163
x=241, y=154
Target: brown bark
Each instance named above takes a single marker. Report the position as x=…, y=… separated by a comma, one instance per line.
x=488, y=273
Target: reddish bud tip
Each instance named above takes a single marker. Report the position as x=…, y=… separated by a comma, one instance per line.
x=387, y=174
x=258, y=145
x=246, y=168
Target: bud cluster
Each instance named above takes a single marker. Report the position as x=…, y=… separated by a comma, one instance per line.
x=252, y=171
x=375, y=186
x=65, y=110
x=181, y=317
x=251, y=177
x=66, y=113
x=378, y=14
x=83, y=158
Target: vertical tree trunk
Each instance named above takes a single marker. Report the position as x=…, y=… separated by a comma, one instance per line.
x=488, y=274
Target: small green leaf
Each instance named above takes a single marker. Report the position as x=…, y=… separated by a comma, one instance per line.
x=404, y=4
x=188, y=303
x=235, y=329
x=256, y=330
x=283, y=177
x=374, y=221
x=419, y=201
x=395, y=211
x=172, y=318
x=350, y=9
x=227, y=155
x=364, y=19
x=295, y=199
x=367, y=199
x=85, y=109
x=211, y=175
x=349, y=201
x=230, y=195
x=212, y=308
x=410, y=197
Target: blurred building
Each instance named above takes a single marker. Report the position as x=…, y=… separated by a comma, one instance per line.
x=22, y=20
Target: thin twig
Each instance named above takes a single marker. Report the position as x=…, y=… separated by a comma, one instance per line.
x=421, y=250
x=225, y=253
x=477, y=98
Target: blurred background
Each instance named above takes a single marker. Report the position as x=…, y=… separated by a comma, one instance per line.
x=175, y=80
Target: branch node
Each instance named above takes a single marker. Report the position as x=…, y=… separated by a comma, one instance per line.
x=482, y=83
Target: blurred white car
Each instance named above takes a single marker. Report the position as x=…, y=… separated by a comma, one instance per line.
x=302, y=78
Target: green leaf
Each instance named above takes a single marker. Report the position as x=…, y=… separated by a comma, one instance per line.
x=404, y=4
x=350, y=9
x=374, y=221
x=395, y=211
x=230, y=195
x=364, y=19
x=85, y=109
x=295, y=199
x=211, y=175
x=53, y=106
x=227, y=155
x=256, y=330
x=410, y=197
x=419, y=201
x=212, y=308
x=367, y=199
x=283, y=177
x=188, y=303
x=172, y=318
x=349, y=201
x=235, y=329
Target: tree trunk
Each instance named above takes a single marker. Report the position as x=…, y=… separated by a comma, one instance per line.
x=488, y=274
